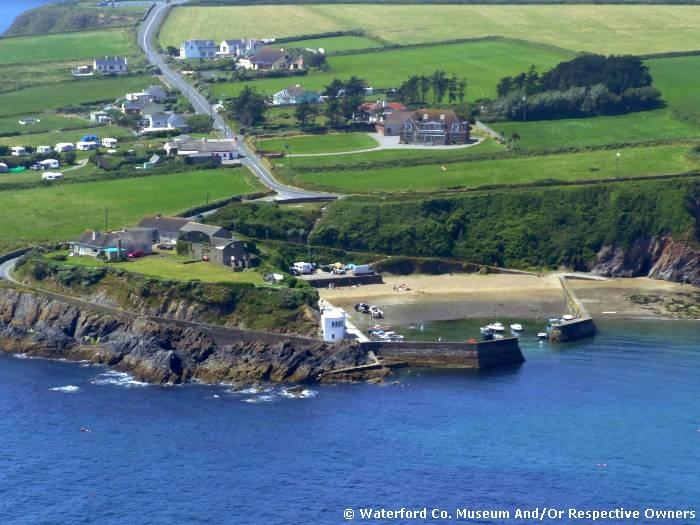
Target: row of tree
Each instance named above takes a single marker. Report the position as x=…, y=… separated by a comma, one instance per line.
x=416, y=89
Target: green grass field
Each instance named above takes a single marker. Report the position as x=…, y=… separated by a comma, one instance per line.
x=338, y=43
x=51, y=138
x=598, y=28
x=679, y=81
x=310, y=144
x=564, y=167
x=482, y=63
x=169, y=265
x=598, y=131
x=63, y=47
x=54, y=96
x=49, y=121
x=62, y=211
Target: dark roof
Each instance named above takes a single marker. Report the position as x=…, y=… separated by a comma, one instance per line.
x=447, y=116
x=110, y=61
x=207, y=229
x=151, y=109
x=201, y=43
x=268, y=55
x=111, y=239
x=205, y=146
x=164, y=224
x=397, y=117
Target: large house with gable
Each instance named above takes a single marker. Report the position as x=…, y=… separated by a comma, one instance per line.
x=193, y=49
x=429, y=127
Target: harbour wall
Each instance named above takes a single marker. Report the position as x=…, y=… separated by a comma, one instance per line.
x=572, y=330
x=343, y=280
x=484, y=354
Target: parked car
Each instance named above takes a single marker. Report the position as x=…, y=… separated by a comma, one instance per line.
x=135, y=254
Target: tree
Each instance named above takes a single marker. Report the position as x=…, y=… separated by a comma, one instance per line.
x=461, y=89
x=334, y=112
x=199, y=123
x=248, y=108
x=172, y=51
x=334, y=89
x=305, y=113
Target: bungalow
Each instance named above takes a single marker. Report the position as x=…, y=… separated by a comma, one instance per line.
x=163, y=122
x=113, y=245
x=43, y=150
x=192, y=49
x=18, y=151
x=63, y=147
x=295, y=95
x=110, y=65
x=223, y=149
x=237, y=48
x=269, y=58
x=434, y=127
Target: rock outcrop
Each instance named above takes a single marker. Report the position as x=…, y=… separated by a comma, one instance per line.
x=159, y=352
x=655, y=257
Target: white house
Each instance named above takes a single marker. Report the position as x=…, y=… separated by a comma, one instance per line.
x=295, y=95
x=86, y=146
x=198, y=49
x=109, y=143
x=43, y=150
x=110, y=65
x=332, y=323
x=49, y=164
x=18, y=151
x=62, y=147
x=224, y=149
x=239, y=47
x=137, y=97
x=52, y=175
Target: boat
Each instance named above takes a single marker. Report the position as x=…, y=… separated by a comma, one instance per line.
x=516, y=327
x=486, y=330
x=542, y=335
x=496, y=326
x=567, y=317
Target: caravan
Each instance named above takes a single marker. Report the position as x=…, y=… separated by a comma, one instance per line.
x=51, y=176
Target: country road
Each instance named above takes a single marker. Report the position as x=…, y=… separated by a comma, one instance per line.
x=147, y=31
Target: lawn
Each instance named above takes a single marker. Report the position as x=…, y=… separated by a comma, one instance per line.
x=679, y=82
x=564, y=167
x=633, y=29
x=49, y=121
x=482, y=63
x=597, y=131
x=51, y=138
x=61, y=47
x=330, y=143
x=35, y=99
x=169, y=265
x=62, y=211
x=337, y=43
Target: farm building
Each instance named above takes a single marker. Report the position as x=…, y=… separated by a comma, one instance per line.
x=295, y=95
x=110, y=65
x=268, y=58
x=193, y=49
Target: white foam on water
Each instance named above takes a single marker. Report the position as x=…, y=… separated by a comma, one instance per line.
x=22, y=356
x=259, y=399
x=67, y=388
x=117, y=378
x=250, y=390
x=296, y=393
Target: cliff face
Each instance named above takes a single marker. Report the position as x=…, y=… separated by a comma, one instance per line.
x=655, y=257
x=162, y=353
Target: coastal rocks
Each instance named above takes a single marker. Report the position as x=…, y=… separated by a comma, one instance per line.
x=160, y=352
x=655, y=257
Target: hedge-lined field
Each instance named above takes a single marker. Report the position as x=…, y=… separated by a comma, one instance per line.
x=482, y=63
x=338, y=43
x=632, y=29
x=310, y=144
x=679, y=81
x=588, y=165
x=62, y=211
x=63, y=47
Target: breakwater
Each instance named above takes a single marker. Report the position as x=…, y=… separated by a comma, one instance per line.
x=579, y=328
x=482, y=354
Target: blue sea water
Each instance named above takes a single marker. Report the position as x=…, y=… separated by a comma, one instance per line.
x=10, y=9
x=609, y=422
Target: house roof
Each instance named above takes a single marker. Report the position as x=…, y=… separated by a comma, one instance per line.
x=207, y=229
x=137, y=104
x=151, y=109
x=205, y=146
x=177, y=121
x=110, y=61
x=155, y=91
x=436, y=115
x=397, y=117
x=268, y=55
x=161, y=223
x=200, y=43
x=111, y=240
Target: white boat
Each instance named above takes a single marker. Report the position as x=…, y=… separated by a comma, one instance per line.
x=542, y=335
x=496, y=327
x=516, y=327
x=567, y=317
x=486, y=329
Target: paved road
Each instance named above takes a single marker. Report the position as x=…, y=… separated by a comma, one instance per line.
x=6, y=270
x=147, y=32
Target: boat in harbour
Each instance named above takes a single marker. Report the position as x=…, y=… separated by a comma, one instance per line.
x=516, y=327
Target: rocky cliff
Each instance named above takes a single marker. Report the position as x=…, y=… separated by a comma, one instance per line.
x=655, y=257
x=164, y=353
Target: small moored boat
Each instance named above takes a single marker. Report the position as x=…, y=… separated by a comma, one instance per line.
x=516, y=327
x=542, y=335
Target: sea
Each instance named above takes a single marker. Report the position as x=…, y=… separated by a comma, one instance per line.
x=10, y=9
x=606, y=423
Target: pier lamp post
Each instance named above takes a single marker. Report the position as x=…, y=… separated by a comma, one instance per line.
x=618, y=156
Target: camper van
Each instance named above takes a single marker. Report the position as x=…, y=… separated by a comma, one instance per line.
x=109, y=143
x=303, y=268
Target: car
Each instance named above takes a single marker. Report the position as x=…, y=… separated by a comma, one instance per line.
x=136, y=254
x=164, y=246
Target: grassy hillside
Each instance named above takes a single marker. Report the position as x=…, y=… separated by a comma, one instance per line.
x=46, y=97
x=535, y=228
x=67, y=46
x=679, y=82
x=62, y=211
x=338, y=43
x=600, y=28
x=587, y=165
x=482, y=63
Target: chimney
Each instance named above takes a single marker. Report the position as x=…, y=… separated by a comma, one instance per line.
x=94, y=235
